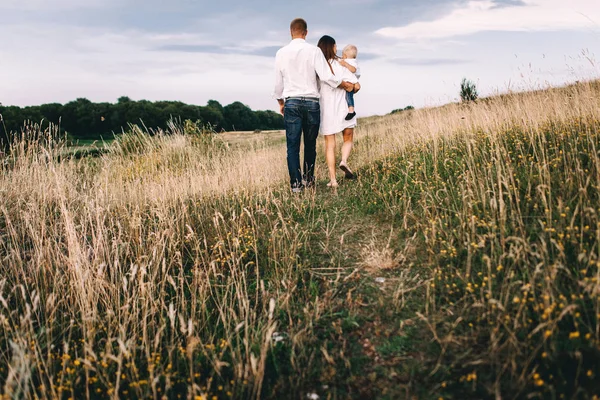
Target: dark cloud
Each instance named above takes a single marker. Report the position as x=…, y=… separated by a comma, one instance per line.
x=192, y=48
x=247, y=19
x=242, y=18
x=427, y=62
x=368, y=56
x=509, y=3
x=268, y=51
x=231, y=23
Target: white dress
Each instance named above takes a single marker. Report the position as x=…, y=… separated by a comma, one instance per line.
x=334, y=107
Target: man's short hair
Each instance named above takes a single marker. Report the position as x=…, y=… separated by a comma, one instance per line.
x=298, y=26
x=350, y=51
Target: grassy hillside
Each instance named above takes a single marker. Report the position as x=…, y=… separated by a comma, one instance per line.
x=463, y=263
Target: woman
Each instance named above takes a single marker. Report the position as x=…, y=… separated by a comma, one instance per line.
x=334, y=109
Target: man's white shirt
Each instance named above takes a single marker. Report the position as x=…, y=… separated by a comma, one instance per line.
x=298, y=67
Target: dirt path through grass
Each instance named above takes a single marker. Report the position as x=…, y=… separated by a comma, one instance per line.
x=368, y=338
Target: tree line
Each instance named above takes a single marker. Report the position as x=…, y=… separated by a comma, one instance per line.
x=399, y=110
x=83, y=119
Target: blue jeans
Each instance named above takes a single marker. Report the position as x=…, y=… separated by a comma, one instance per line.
x=350, y=99
x=301, y=116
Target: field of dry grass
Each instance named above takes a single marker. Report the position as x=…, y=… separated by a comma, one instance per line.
x=463, y=263
x=248, y=138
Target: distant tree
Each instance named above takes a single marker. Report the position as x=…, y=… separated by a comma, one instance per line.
x=78, y=118
x=468, y=91
x=399, y=110
x=240, y=117
x=10, y=116
x=4, y=139
x=213, y=117
x=213, y=114
x=268, y=120
x=51, y=112
x=87, y=120
x=215, y=104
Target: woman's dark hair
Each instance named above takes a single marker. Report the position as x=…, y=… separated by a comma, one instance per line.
x=326, y=44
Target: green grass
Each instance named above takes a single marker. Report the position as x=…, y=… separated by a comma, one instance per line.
x=80, y=148
x=487, y=300
x=488, y=243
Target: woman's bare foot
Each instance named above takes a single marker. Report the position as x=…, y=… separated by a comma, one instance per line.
x=332, y=184
x=349, y=174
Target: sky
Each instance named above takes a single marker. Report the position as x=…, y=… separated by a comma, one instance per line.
x=410, y=52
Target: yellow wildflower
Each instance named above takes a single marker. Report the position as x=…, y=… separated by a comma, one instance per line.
x=573, y=335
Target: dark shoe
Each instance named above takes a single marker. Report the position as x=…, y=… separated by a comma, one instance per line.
x=350, y=116
x=347, y=171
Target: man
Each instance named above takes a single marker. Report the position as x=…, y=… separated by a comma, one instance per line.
x=298, y=66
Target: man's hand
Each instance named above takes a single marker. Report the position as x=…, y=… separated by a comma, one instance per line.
x=281, y=107
x=356, y=87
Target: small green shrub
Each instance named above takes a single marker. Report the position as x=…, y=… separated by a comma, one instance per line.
x=399, y=110
x=468, y=91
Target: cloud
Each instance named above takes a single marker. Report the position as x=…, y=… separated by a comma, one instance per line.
x=368, y=56
x=248, y=50
x=39, y=5
x=486, y=15
x=195, y=50
x=428, y=62
x=509, y=3
x=268, y=51
x=72, y=62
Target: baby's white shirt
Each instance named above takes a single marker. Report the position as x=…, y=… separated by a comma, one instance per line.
x=356, y=75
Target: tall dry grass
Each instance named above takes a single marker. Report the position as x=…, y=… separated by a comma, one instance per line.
x=116, y=260
x=166, y=266
x=503, y=197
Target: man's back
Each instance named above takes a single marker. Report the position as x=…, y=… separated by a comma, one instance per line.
x=299, y=66
x=296, y=61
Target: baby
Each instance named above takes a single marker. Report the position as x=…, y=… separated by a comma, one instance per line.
x=349, y=61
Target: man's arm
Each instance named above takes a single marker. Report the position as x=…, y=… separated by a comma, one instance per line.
x=278, y=91
x=325, y=72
